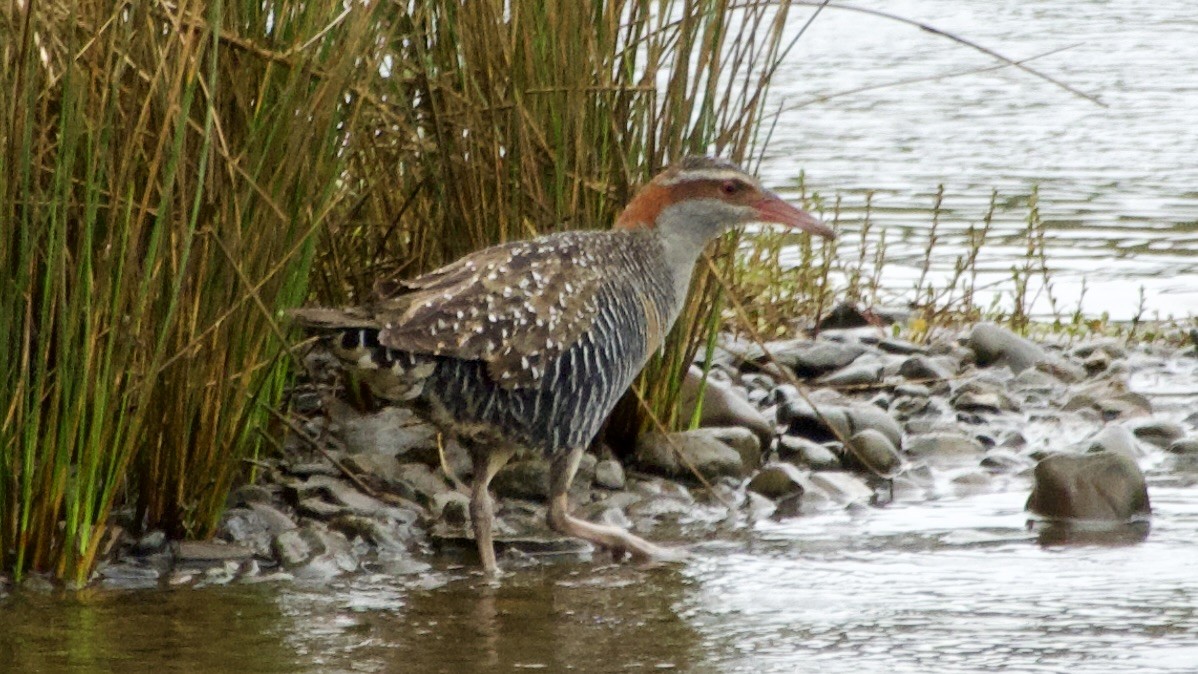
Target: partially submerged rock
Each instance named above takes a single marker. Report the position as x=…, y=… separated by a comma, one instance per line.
x=1105, y=486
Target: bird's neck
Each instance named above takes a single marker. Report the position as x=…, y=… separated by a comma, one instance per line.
x=684, y=230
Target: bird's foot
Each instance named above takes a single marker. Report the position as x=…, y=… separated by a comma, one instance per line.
x=620, y=541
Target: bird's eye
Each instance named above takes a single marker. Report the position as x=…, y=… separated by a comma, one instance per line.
x=730, y=187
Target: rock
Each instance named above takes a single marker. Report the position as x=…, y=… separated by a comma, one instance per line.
x=844, y=488
x=900, y=346
x=418, y=482
x=150, y=543
x=452, y=508
x=722, y=406
x=937, y=446
x=526, y=479
x=318, y=508
x=310, y=552
x=1114, y=438
x=1111, y=399
x=609, y=474
x=393, y=431
x=710, y=451
x=811, y=359
x=210, y=552
x=385, y=535
x=871, y=451
x=1157, y=432
x=805, y=452
x=777, y=480
x=384, y=467
x=254, y=527
x=870, y=417
x=1105, y=486
x=129, y=575
x=993, y=345
x=982, y=395
x=1184, y=446
x=925, y=368
x=855, y=374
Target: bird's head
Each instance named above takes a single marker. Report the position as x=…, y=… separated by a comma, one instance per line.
x=700, y=197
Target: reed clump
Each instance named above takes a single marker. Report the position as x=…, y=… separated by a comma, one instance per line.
x=163, y=167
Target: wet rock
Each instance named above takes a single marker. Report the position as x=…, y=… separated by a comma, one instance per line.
x=841, y=487
x=393, y=430
x=925, y=368
x=856, y=374
x=150, y=543
x=201, y=552
x=609, y=474
x=712, y=452
x=805, y=452
x=812, y=359
x=311, y=552
x=872, y=452
x=899, y=346
x=452, y=508
x=318, y=508
x=1184, y=446
x=870, y=417
x=1110, y=399
x=129, y=575
x=777, y=480
x=418, y=482
x=382, y=534
x=383, y=467
x=1098, y=486
x=1004, y=461
x=982, y=395
x=254, y=527
x=993, y=345
x=723, y=406
x=1114, y=438
x=526, y=479
x=939, y=447
x=1157, y=432
x=255, y=493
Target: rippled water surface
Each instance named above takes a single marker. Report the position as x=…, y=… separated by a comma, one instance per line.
x=1118, y=185
x=952, y=583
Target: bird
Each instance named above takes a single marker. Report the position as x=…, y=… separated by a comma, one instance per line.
x=528, y=345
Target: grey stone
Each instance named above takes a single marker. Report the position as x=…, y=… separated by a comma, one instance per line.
x=841, y=487
x=982, y=395
x=805, y=452
x=205, y=551
x=318, y=508
x=777, y=480
x=708, y=451
x=452, y=508
x=944, y=445
x=418, y=482
x=809, y=358
x=385, y=535
x=393, y=430
x=1106, y=486
x=311, y=552
x=1158, y=432
x=925, y=368
x=150, y=543
x=254, y=526
x=870, y=417
x=526, y=479
x=1111, y=399
x=856, y=374
x=722, y=406
x=993, y=345
x=871, y=451
x=1184, y=446
x=1114, y=438
x=609, y=474
x=385, y=467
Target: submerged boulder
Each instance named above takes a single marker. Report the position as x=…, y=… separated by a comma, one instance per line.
x=1106, y=486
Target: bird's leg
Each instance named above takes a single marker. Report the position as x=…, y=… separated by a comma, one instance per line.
x=486, y=461
x=561, y=473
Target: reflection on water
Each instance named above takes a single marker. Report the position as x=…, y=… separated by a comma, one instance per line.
x=949, y=585
x=1117, y=184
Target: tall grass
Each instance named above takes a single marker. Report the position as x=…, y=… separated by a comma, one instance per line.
x=163, y=166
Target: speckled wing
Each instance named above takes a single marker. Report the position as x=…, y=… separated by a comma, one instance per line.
x=517, y=307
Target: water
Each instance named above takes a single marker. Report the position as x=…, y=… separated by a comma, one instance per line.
x=1118, y=185
x=956, y=583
